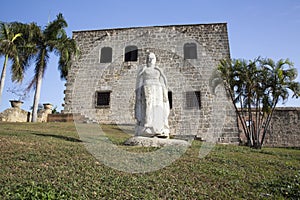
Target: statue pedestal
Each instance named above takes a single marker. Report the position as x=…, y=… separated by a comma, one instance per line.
x=155, y=142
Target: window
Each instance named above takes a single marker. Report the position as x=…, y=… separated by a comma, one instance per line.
x=106, y=55
x=170, y=99
x=193, y=99
x=103, y=99
x=190, y=51
x=131, y=53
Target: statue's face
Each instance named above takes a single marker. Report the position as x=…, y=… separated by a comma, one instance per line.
x=151, y=58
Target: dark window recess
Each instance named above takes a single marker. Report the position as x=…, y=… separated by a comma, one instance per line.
x=106, y=55
x=170, y=99
x=193, y=100
x=131, y=53
x=103, y=99
x=190, y=51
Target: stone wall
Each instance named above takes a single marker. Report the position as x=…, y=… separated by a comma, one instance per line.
x=215, y=118
x=60, y=117
x=43, y=115
x=14, y=115
x=284, y=128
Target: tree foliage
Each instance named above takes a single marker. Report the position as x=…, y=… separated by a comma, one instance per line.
x=255, y=88
x=11, y=47
x=23, y=43
x=51, y=39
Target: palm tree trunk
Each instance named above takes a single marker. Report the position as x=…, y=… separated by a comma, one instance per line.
x=37, y=95
x=268, y=122
x=250, y=120
x=240, y=115
x=3, y=75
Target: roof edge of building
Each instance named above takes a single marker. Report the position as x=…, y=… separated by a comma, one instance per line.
x=154, y=26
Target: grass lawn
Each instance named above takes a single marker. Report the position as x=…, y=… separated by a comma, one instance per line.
x=48, y=161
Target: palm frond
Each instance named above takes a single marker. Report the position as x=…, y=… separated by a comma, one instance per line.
x=55, y=29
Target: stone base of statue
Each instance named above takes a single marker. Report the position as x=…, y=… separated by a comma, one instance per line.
x=155, y=142
x=150, y=132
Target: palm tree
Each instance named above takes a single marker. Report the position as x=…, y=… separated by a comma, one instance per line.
x=255, y=88
x=52, y=39
x=8, y=48
x=278, y=81
x=16, y=45
x=26, y=47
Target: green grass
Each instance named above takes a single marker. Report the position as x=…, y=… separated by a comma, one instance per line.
x=48, y=161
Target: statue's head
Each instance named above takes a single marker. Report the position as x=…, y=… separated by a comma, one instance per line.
x=151, y=59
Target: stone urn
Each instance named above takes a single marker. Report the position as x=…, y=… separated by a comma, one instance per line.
x=16, y=103
x=48, y=106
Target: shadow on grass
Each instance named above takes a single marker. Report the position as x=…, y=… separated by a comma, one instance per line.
x=58, y=136
x=292, y=148
x=123, y=127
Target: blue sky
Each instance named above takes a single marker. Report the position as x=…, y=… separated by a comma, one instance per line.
x=264, y=28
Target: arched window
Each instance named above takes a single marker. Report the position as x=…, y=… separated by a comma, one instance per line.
x=190, y=51
x=131, y=53
x=106, y=55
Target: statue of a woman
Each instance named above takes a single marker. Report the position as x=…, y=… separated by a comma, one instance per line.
x=152, y=105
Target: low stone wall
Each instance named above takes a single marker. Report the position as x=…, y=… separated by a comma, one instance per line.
x=15, y=115
x=66, y=117
x=43, y=115
x=284, y=129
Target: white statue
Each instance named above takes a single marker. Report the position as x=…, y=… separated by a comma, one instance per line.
x=152, y=104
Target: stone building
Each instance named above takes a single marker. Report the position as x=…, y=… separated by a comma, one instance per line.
x=101, y=83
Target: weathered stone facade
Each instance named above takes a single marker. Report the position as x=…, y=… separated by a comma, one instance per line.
x=284, y=128
x=43, y=113
x=215, y=118
x=15, y=114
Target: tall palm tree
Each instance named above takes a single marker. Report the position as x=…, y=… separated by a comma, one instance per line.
x=16, y=45
x=8, y=48
x=52, y=39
